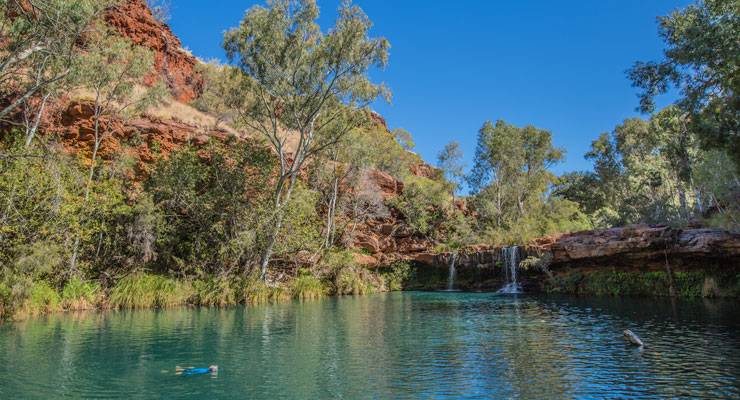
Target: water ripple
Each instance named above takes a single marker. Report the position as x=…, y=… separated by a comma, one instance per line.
x=410, y=345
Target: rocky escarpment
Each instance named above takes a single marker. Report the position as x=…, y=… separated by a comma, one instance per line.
x=142, y=138
x=640, y=260
x=176, y=66
x=640, y=243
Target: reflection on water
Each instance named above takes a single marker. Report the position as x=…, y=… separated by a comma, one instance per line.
x=402, y=345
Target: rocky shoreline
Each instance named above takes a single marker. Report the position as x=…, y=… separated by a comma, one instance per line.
x=646, y=260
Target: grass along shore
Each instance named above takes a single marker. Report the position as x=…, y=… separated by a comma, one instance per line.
x=26, y=299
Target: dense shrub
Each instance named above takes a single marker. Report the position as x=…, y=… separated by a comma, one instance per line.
x=213, y=206
x=397, y=275
x=425, y=204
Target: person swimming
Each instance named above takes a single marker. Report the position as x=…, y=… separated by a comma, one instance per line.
x=213, y=369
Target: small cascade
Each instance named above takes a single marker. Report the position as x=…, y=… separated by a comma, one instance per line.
x=510, y=258
x=453, y=273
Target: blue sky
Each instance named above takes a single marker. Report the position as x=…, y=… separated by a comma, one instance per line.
x=557, y=65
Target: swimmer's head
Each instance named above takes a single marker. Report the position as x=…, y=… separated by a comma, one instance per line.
x=213, y=368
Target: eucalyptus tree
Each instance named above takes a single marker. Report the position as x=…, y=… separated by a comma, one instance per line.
x=112, y=70
x=220, y=83
x=404, y=138
x=511, y=169
x=299, y=83
x=450, y=161
x=333, y=175
x=39, y=45
x=701, y=61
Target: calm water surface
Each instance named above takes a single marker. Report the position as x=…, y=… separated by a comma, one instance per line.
x=401, y=345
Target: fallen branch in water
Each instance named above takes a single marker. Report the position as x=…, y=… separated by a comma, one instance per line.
x=632, y=338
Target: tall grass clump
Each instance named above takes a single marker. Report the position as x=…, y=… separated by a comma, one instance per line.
x=255, y=291
x=307, y=287
x=147, y=291
x=6, y=302
x=356, y=281
x=44, y=299
x=80, y=295
x=218, y=292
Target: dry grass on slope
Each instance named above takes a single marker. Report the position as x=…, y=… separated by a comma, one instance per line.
x=170, y=110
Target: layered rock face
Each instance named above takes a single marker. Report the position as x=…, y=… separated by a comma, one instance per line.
x=140, y=137
x=641, y=243
x=706, y=256
x=388, y=238
x=134, y=20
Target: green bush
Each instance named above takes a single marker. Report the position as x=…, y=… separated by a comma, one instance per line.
x=335, y=259
x=6, y=302
x=44, y=299
x=211, y=227
x=425, y=204
x=355, y=281
x=397, y=275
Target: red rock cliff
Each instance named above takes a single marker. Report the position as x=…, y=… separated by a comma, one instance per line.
x=176, y=67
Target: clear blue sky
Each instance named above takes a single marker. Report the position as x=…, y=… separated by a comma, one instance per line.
x=558, y=65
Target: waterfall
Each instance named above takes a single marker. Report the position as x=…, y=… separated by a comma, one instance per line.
x=453, y=273
x=510, y=258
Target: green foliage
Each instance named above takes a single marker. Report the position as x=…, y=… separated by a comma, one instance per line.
x=214, y=208
x=6, y=301
x=335, y=259
x=716, y=180
x=79, y=294
x=355, y=281
x=541, y=263
x=256, y=291
x=217, y=292
x=425, y=204
x=304, y=82
x=111, y=68
x=512, y=181
x=149, y=291
x=701, y=62
x=397, y=275
x=373, y=146
x=307, y=287
x=302, y=224
x=449, y=160
x=41, y=46
x=43, y=299
x=220, y=83
x=404, y=138
x=652, y=171
x=38, y=259
x=44, y=209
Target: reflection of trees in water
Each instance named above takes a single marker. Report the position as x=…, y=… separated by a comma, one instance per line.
x=395, y=345
x=532, y=350
x=688, y=352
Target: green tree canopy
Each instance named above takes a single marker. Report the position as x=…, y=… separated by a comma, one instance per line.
x=701, y=60
x=302, y=83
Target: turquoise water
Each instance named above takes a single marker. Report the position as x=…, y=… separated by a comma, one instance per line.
x=387, y=346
